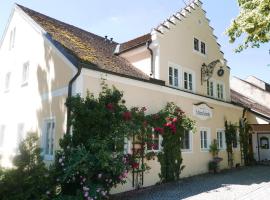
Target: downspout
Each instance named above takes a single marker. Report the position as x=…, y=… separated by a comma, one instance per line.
x=152, y=59
x=70, y=94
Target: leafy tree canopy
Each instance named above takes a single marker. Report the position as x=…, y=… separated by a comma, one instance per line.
x=252, y=23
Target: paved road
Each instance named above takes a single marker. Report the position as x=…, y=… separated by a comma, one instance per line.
x=239, y=184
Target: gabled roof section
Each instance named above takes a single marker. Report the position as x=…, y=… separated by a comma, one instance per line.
x=85, y=46
x=246, y=102
x=166, y=25
x=137, y=42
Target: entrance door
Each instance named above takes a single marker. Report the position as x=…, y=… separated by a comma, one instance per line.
x=264, y=141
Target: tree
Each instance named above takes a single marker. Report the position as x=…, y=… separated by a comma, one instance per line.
x=252, y=23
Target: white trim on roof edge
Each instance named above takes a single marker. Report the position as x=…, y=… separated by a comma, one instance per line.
x=151, y=86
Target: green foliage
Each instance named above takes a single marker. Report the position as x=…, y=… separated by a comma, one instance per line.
x=253, y=22
x=213, y=148
x=92, y=160
x=171, y=122
x=244, y=134
x=231, y=138
x=29, y=179
x=213, y=166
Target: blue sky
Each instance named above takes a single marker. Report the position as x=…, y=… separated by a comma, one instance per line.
x=124, y=20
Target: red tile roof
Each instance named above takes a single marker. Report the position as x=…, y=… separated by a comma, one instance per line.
x=244, y=101
x=139, y=41
x=86, y=46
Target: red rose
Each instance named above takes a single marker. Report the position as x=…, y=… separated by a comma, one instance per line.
x=159, y=130
x=127, y=116
x=135, y=165
x=174, y=120
x=110, y=106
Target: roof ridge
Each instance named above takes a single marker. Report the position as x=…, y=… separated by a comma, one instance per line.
x=85, y=46
x=65, y=23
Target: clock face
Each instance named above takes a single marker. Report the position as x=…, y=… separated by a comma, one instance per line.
x=220, y=72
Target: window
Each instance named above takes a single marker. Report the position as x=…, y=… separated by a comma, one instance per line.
x=2, y=134
x=186, y=140
x=173, y=77
x=7, y=81
x=204, y=139
x=202, y=47
x=49, y=131
x=221, y=139
x=12, y=38
x=20, y=133
x=210, y=88
x=235, y=143
x=127, y=146
x=188, y=81
x=196, y=44
x=25, y=73
x=154, y=142
x=220, y=91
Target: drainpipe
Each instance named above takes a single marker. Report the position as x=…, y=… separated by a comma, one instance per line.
x=152, y=62
x=70, y=94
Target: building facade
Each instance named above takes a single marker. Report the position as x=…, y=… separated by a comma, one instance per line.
x=179, y=61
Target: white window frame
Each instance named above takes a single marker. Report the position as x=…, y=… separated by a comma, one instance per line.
x=127, y=146
x=223, y=90
x=7, y=82
x=174, y=66
x=159, y=144
x=25, y=73
x=2, y=135
x=219, y=144
x=188, y=71
x=48, y=156
x=208, y=139
x=197, y=50
x=190, y=150
x=208, y=88
x=201, y=47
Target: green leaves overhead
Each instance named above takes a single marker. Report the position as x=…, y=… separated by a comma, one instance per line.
x=252, y=24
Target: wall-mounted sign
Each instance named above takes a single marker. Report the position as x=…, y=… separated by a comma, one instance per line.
x=202, y=111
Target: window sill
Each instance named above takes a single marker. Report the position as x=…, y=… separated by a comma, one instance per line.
x=186, y=150
x=24, y=84
x=205, y=150
x=199, y=53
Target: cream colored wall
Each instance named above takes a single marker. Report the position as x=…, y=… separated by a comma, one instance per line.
x=176, y=46
x=256, y=94
x=155, y=97
x=140, y=58
x=49, y=74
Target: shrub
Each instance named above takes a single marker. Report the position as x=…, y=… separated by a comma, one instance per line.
x=92, y=160
x=29, y=179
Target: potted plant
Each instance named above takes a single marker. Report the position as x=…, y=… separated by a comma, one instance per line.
x=213, y=164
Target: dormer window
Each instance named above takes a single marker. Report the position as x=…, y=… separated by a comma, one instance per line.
x=196, y=44
x=173, y=77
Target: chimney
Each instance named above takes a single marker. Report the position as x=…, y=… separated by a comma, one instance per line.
x=106, y=37
x=111, y=40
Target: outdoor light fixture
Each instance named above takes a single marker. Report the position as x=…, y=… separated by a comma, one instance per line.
x=207, y=70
